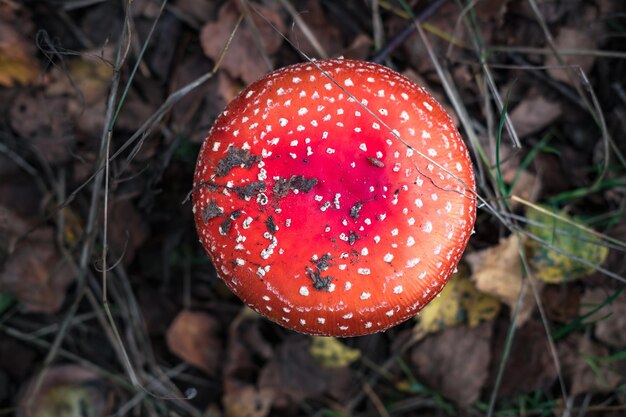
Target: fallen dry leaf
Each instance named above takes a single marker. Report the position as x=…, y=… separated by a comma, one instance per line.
x=455, y=361
x=66, y=390
x=197, y=111
x=72, y=226
x=556, y=229
x=33, y=270
x=526, y=185
x=550, y=166
x=534, y=114
x=360, y=48
x=529, y=363
x=561, y=302
x=615, y=261
x=227, y=88
x=459, y=302
x=17, y=58
x=572, y=38
x=193, y=336
x=248, y=402
x=127, y=230
x=243, y=59
x=498, y=271
x=585, y=367
x=441, y=30
x=158, y=308
x=331, y=353
x=88, y=77
x=295, y=376
x=80, y=90
x=45, y=123
x=610, y=326
x=246, y=351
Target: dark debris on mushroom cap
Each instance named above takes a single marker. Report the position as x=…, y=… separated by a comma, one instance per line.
x=354, y=196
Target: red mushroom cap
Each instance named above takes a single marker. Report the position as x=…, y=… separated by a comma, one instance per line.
x=334, y=197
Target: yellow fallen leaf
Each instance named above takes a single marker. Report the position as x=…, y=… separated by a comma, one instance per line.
x=17, y=61
x=498, y=271
x=552, y=262
x=331, y=353
x=459, y=302
x=247, y=401
x=92, y=76
x=16, y=70
x=479, y=307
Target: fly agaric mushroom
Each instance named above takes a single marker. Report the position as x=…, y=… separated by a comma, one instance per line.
x=334, y=197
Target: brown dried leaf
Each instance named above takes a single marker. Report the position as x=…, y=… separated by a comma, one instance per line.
x=527, y=185
x=529, y=364
x=498, y=271
x=284, y=375
x=442, y=22
x=360, y=48
x=44, y=122
x=227, y=88
x=578, y=354
x=158, y=308
x=80, y=91
x=455, y=361
x=610, y=327
x=32, y=270
x=561, y=302
x=572, y=38
x=204, y=101
x=552, y=166
x=246, y=345
x=127, y=230
x=243, y=59
x=534, y=114
x=193, y=336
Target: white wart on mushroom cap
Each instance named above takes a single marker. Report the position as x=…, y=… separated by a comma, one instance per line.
x=334, y=206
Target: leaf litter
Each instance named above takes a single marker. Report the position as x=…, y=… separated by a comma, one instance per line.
x=53, y=92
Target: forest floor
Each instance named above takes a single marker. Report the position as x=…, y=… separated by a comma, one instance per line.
x=109, y=305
